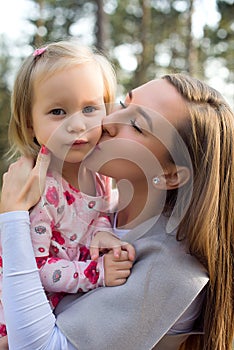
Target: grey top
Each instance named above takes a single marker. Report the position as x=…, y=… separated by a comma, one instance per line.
x=164, y=282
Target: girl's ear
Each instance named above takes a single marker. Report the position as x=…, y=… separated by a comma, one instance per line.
x=30, y=129
x=170, y=180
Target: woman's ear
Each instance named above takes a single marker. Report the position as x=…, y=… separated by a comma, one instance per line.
x=172, y=179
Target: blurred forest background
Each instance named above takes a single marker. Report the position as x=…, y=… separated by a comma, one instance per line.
x=143, y=38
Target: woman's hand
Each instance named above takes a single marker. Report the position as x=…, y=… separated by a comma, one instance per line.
x=4, y=343
x=24, y=183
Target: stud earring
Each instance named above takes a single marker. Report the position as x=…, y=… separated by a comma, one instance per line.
x=156, y=180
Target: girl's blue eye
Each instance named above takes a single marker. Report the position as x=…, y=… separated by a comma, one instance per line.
x=89, y=109
x=135, y=126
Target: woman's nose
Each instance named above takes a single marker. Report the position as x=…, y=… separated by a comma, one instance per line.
x=109, y=126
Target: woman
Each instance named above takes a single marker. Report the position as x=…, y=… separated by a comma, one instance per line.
x=172, y=142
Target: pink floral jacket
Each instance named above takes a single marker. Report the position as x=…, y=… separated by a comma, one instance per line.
x=62, y=226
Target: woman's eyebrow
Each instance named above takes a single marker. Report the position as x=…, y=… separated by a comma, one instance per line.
x=143, y=113
x=146, y=116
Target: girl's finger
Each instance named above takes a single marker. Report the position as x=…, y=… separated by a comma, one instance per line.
x=130, y=249
x=94, y=253
x=117, y=251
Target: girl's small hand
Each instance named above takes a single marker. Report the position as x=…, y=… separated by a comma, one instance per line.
x=117, y=270
x=103, y=241
x=23, y=183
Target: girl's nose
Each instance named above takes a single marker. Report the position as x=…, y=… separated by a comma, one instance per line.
x=76, y=123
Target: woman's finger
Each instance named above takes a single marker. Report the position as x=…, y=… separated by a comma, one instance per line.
x=41, y=167
x=24, y=183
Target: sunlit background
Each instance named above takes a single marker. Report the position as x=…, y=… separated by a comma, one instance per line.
x=143, y=38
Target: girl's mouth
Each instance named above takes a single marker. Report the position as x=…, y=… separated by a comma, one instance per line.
x=79, y=142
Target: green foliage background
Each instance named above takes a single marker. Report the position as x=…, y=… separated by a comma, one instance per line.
x=150, y=29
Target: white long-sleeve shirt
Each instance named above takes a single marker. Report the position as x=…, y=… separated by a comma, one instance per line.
x=29, y=318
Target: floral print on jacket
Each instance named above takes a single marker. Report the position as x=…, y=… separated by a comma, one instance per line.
x=62, y=226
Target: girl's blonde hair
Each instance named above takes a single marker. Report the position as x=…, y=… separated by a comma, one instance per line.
x=57, y=56
x=208, y=225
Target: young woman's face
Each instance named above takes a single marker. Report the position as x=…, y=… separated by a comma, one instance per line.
x=138, y=137
x=68, y=109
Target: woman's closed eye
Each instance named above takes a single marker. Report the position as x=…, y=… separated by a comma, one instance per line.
x=136, y=126
x=132, y=121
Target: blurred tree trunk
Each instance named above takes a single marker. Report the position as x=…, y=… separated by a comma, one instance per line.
x=101, y=26
x=55, y=19
x=219, y=53
x=191, y=52
x=38, y=39
x=145, y=37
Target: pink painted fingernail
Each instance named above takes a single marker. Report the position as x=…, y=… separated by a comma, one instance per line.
x=39, y=52
x=44, y=150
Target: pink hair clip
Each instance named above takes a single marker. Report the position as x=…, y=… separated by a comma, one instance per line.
x=39, y=52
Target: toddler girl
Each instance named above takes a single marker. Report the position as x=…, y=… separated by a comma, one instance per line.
x=60, y=96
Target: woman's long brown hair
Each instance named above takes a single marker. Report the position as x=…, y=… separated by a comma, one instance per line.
x=208, y=225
